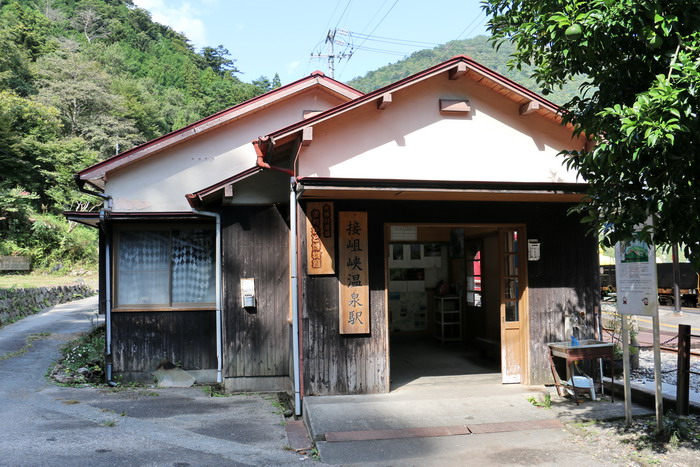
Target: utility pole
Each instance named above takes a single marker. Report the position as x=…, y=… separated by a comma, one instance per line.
x=331, y=55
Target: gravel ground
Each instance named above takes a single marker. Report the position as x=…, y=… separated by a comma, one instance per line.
x=669, y=365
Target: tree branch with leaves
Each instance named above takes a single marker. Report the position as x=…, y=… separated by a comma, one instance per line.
x=639, y=104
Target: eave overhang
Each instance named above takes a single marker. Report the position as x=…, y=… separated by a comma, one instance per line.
x=201, y=197
x=419, y=190
x=91, y=219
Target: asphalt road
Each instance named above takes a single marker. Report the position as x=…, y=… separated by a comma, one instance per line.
x=42, y=424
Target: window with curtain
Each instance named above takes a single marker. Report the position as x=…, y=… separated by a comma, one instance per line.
x=165, y=267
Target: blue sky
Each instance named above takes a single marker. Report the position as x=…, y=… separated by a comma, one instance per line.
x=277, y=36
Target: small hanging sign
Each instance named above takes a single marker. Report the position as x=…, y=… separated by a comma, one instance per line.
x=353, y=274
x=320, y=248
x=533, y=249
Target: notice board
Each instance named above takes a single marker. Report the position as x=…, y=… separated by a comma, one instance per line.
x=635, y=276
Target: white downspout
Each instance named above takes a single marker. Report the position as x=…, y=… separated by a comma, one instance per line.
x=219, y=313
x=107, y=294
x=294, y=251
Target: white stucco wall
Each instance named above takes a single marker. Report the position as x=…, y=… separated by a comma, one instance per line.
x=412, y=140
x=160, y=182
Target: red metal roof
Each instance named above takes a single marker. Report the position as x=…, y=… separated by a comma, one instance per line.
x=158, y=144
x=195, y=199
x=472, y=65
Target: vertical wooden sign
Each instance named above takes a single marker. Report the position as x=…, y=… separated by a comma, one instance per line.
x=353, y=275
x=320, y=247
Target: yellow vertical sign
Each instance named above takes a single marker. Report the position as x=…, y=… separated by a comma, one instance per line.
x=353, y=273
x=320, y=241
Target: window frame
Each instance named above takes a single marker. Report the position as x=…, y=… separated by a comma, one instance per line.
x=470, y=261
x=142, y=227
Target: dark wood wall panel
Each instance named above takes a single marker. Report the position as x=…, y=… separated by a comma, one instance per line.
x=256, y=245
x=345, y=364
x=141, y=340
x=564, y=281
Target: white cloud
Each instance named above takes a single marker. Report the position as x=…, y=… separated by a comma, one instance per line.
x=182, y=18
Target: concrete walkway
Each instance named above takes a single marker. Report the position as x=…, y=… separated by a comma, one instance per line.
x=47, y=425
x=423, y=423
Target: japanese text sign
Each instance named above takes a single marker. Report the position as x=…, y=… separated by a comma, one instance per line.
x=635, y=274
x=353, y=274
x=320, y=248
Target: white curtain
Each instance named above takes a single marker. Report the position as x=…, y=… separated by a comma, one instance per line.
x=193, y=266
x=144, y=263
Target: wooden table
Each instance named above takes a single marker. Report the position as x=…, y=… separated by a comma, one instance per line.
x=587, y=349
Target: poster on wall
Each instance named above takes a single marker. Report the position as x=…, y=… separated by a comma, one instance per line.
x=320, y=248
x=635, y=272
x=353, y=274
x=409, y=311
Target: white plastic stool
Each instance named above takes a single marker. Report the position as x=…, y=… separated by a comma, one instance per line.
x=581, y=382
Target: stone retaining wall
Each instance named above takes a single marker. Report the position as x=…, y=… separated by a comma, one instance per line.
x=18, y=303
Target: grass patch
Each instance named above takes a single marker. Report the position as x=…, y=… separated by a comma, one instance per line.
x=83, y=360
x=315, y=455
x=28, y=344
x=215, y=390
x=543, y=401
x=34, y=280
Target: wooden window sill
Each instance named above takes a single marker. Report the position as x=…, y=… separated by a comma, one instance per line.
x=162, y=308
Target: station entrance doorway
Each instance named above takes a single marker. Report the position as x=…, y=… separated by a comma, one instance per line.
x=456, y=301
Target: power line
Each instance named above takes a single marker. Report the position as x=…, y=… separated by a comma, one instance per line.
x=343, y=14
x=328, y=23
x=383, y=51
x=445, y=55
x=372, y=32
x=380, y=21
x=391, y=39
x=375, y=15
x=331, y=39
x=331, y=55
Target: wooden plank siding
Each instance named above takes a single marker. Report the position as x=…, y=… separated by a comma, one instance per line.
x=256, y=245
x=141, y=340
x=565, y=279
x=344, y=364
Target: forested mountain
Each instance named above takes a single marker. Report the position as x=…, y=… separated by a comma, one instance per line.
x=79, y=81
x=477, y=48
x=83, y=79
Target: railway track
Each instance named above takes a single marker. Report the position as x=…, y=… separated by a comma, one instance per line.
x=645, y=339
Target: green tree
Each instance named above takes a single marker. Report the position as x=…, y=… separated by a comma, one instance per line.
x=27, y=28
x=79, y=79
x=640, y=104
x=218, y=59
x=24, y=124
x=14, y=67
x=80, y=90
